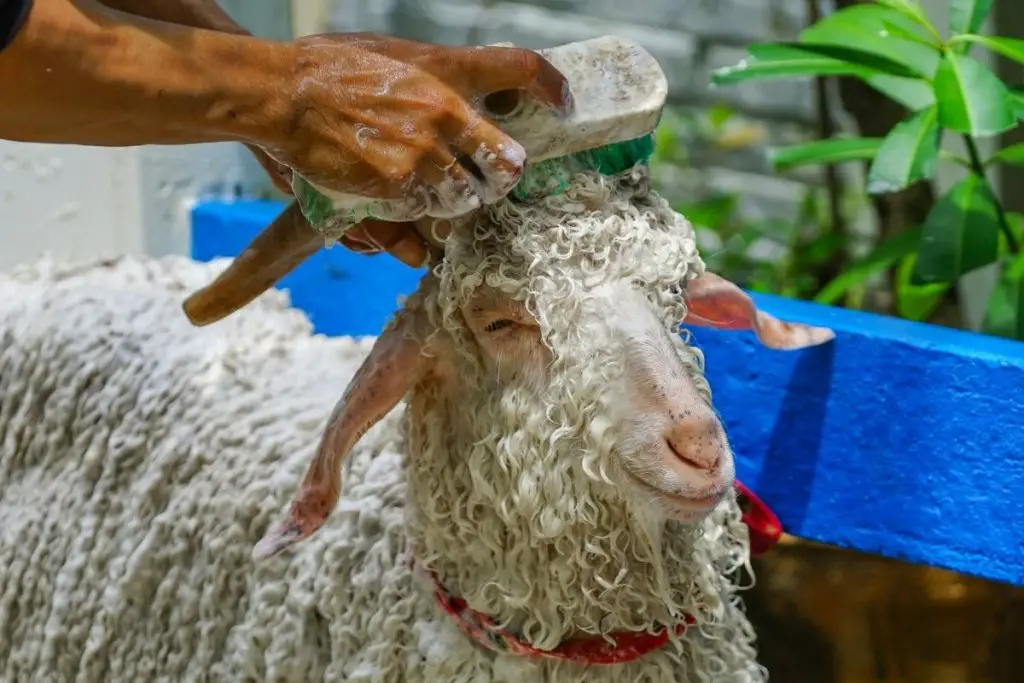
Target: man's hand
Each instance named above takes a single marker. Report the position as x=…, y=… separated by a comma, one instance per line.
x=387, y=118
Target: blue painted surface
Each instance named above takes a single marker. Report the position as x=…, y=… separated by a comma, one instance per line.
x=342, y=292
x=898, y=439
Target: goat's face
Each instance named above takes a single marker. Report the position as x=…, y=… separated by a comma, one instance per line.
x=638, y=395
x=551, y=334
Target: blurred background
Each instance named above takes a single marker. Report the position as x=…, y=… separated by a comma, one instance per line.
x=823, y=615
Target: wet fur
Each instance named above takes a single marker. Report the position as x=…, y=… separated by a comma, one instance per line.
x=142, y=459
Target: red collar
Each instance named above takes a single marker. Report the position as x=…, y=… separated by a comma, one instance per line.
x=613, y=648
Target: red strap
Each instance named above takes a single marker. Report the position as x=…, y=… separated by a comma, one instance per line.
x=615, y=648
x=765, y=528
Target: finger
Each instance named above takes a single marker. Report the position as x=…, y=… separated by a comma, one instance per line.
x=390, y=46
x=279, y=174
x=275, y=252
x=481, y=71
x=359, y=246
x=473, y=71
x=398, y=239
x=454, y=185
x=488, y=152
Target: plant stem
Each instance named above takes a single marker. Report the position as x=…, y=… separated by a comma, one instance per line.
x=979, y=169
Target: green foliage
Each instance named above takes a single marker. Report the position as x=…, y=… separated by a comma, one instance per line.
x=1005, y=314
x=909, y=153
x=1017, y=102
x=967, y=16
x=961, y=233
x=783, y=254
x=1014, y=154
x=798, y=248
x=916, y=301
x=887, y=253
x=972, y=100
x=893, y=47
x=831, y=151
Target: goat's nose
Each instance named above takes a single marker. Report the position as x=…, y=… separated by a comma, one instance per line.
x=697, y=442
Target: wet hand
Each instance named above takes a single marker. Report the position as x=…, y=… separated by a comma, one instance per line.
x=386, y=118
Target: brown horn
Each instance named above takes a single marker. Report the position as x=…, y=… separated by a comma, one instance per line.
x=394, y=365
x=274, y=253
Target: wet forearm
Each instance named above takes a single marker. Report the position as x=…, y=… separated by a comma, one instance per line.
x=80, y=73
x=199, y=13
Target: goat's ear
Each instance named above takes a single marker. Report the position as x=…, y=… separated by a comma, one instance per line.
x=713, y=301
x=396, y=363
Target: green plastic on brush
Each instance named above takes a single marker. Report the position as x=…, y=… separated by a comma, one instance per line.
x=619, y=93
x=316, y=206
x=552, y=176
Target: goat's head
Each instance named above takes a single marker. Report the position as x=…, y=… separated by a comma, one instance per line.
x=547, y=339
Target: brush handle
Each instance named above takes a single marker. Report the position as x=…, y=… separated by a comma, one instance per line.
x=619, y=90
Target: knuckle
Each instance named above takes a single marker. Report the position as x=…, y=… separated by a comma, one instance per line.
x=531, y=62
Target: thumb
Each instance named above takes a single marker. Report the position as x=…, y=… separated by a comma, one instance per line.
x=401, y=240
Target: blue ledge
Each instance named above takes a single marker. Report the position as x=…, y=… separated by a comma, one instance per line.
x=899, y=439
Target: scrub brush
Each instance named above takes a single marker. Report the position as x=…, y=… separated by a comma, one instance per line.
x=619, y=92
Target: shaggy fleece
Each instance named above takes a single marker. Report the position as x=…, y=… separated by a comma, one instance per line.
x=140, y=461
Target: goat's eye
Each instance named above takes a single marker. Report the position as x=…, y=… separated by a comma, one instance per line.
x=498, y=324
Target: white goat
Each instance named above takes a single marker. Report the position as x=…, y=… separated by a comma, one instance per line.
x=566, y=479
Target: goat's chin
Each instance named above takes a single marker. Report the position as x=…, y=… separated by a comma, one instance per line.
x=688, y=502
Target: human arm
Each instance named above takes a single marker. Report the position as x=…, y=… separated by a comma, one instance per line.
x=198, y=13
x=80, y=73
x=205, y=14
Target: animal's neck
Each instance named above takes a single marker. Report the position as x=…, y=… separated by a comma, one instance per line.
x=582, y=562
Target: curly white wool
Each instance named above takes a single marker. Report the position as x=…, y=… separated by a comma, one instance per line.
x=515, y=504
x=141, y=459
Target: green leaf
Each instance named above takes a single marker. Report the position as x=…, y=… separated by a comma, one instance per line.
x=888, y=252
x=961, y=233
x=972, y=100
x=1017, y=103
x=832, y=151
x=1016, y=221
x=911, y=31
x=913, y=11
x=871, y=29
x=1004, y=315
x=1011, y=48
x=968, y=16
x=1014, y=154
x=909, y=153
x=913, y=93
x=913, y=301
x=786, y=60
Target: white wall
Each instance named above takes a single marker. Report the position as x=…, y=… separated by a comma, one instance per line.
x=80, y=202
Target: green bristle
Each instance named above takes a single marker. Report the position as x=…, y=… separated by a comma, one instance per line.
x=539, y=180
x=552, y=176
